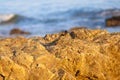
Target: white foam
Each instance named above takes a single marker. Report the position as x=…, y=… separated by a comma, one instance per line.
x=6, y=17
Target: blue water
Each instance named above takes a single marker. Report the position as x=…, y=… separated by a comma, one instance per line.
x=50, y=16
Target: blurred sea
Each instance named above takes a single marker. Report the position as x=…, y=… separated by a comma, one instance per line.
x=41, y=17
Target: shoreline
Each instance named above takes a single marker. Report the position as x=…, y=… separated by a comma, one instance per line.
x=76, y=54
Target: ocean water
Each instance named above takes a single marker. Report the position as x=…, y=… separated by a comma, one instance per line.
x=42, y=17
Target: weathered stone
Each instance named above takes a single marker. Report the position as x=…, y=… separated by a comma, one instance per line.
x=79, y=54
x=114, y=21
x=18, y=31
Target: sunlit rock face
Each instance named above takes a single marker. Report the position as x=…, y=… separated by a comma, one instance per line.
x=77, y=54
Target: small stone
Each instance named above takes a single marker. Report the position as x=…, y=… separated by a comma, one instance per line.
x=18, y=31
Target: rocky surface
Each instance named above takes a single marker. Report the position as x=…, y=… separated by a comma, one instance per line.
x=77, y=54
x=114, y=21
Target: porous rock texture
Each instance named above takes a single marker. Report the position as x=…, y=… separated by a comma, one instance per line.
x=77, y=54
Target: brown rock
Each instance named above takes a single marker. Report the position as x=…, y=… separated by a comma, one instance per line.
x=79, y=54
x=114, y=21
x=18, y=31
